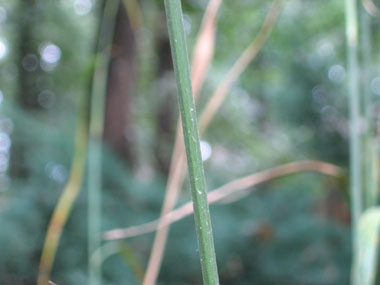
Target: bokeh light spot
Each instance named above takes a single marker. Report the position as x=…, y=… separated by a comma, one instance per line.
x=6, y=126
x=56, y=172
x=337, y=73
x=3, y=49
x=5, y=142
x=4, y=162
x=82, y=7
x=375, y=85
x=206, y=150
x=30, y=62
x=187, y=23
x=46, y=99
x=50, y=53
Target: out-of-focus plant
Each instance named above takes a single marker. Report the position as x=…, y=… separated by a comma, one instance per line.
x=96, y=130
x=66, y=201
x=226, y=191
x=356, y=187
x=366, y=262
x=364, y=177
x=70, y=193
x=371, y=7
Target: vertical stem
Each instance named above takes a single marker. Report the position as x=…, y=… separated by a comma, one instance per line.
x=67, y=198
x=203, y=53
x=95, y=138
x=370, y=140
x=191, y=138
x=354, y=107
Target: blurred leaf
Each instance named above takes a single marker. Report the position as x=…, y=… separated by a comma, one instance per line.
x=366, y=258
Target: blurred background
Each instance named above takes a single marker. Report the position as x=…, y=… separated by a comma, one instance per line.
x=289, y=104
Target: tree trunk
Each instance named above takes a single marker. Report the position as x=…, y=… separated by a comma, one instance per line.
x=118, y=134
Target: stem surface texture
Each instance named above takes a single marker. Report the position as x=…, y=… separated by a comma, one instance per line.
x=191, y=138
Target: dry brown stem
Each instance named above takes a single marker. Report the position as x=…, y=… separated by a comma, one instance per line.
x=227, y=191
x=240, y=65
x=63, y=207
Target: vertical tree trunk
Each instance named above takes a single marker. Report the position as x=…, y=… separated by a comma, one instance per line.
x=28, y=69
x=117, y=133
x=28, y=63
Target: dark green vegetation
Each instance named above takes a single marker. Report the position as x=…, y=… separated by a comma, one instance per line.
x=290, y=104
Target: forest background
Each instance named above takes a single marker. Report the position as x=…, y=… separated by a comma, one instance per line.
x=289, y=104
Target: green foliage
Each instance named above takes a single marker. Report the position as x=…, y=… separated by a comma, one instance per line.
x=280, y=235
x=300, y=241
x=285, y=107
x=366, y=259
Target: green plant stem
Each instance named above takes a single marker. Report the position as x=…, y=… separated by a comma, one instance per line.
x=191, y=138
x=351, y=14
x=370, y=140
x=97, y=108
x=202, y=57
